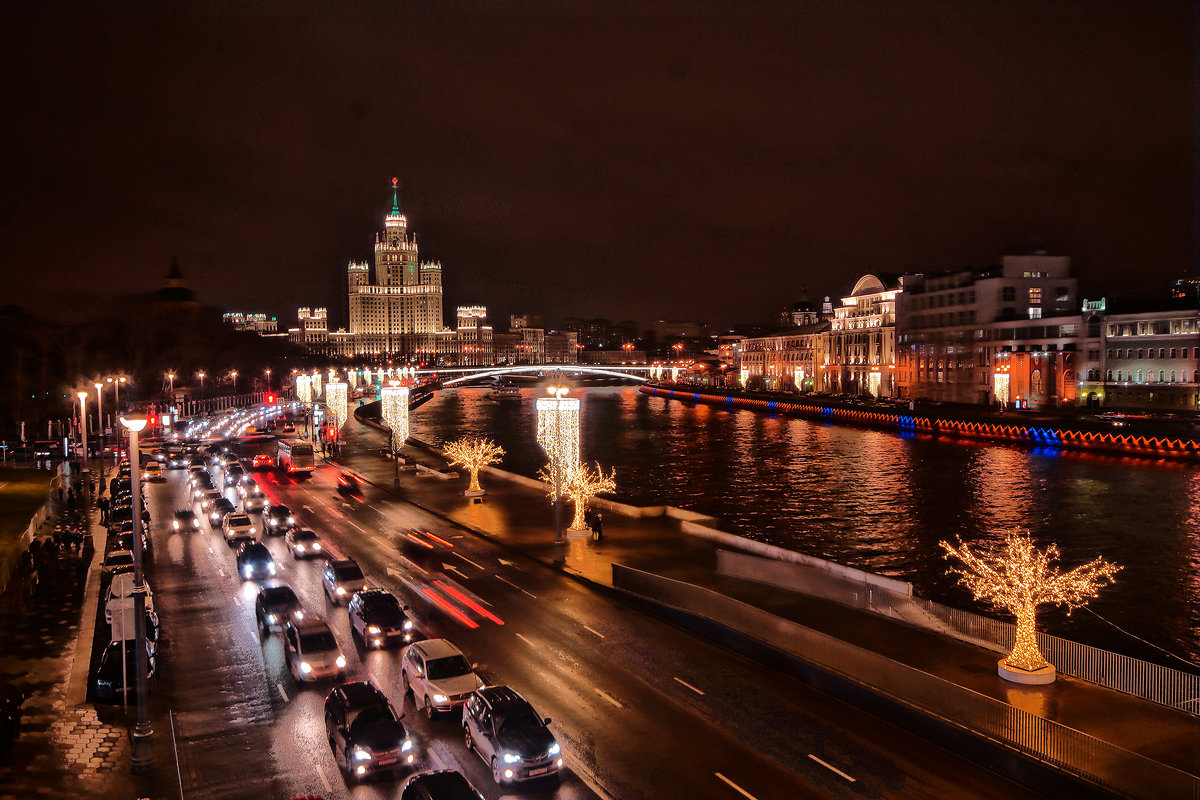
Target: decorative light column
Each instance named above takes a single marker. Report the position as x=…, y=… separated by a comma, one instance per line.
x=100, y=422
x=316, y=386
x=335, y=401
x=83, y=428
x=558, y=435
x=352, y=377
x=393, y=403
x=143, y=734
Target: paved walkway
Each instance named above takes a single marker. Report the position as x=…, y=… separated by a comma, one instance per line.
x=521, y=519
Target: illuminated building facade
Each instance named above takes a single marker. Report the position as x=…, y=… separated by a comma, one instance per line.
x=786, y=360
x=860, y=358
x=259, y=323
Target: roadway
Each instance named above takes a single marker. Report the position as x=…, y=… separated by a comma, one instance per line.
x=641, y=709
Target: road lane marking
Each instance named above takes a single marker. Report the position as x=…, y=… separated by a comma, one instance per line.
x=221, y=571
x=454, y=569
x=324, y=780
x=735, y=786
x=237, y=601
x=593, y=630
x=606, y=695
x=830, y=767
x=359, y=527
x=469, y=561
x=281, y=691
x=518, y=588
x=688, y=685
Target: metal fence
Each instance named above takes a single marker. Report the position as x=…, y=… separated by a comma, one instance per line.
x=1153, y=682
x=1093, y=760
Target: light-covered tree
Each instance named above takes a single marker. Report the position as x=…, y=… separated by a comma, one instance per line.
x=1016, y=576
x=586, y=483
x=474, y=453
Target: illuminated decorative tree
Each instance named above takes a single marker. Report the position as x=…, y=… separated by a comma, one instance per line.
x=1018, y=577
x=474, y=453
x=585, y=484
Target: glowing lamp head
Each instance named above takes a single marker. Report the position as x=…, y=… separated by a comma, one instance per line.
x=82, y=396
x=134, y=422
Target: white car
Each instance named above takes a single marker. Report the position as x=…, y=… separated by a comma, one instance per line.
x=312, y=650
x=438, y=675
x=238, y=526
x=120, y=593
x=253, y=497
x=153, y=472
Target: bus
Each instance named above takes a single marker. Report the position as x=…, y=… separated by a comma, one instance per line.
x=294, y=457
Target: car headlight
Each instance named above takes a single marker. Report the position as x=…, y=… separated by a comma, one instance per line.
x=300, y=548
x=554, y=750
x=271, y=620
x=408, y=745
x=341, y=590
x=305, y=667
x=373, y=629
x=511, y=758
x=360, y=754
x=271, y=566
x=274, y=522
x=340, y=661
x=291, y=520
x=252, y=530
x=299, y=613
x=408, y=625
x=176, y=524
x=440, y=698
x=317, y=546
x=247, y=570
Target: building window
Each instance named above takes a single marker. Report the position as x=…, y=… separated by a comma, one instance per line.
x=1183, y=353
x=1161, y=375
x=1139, y=376
x=1035, y=295
x=1162, y=352
x=1035, y=312
x=1110, y=352
x=1172, y=376
x=1108, y=377
x=1008, y=294
x=1140, y=353
x=1172, y=352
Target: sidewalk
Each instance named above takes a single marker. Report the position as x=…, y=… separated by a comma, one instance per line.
x=65, y=750
x=521, y=518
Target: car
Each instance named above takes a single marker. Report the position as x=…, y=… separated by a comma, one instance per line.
x=510, y=737
x=207, y=498
x=277, y=518
x=117, y=562
x=303, y=543
x=365, y=733
x=159, y=454
x=262, y=461
x=341, y=578
x=153, y=472
x=377, y=619
x=122, y=539
x=443, y=784
x=185, y=520
x=253, y=560
x=178, y=460
x=438, y=676
x=111, y=686
x=221, y=508
x=312, y=650
x=234, y=475
x=289, y=427
x=120, y=593
x=11, y=699
x=253, y=497
x=118, y=515
x=274, y=606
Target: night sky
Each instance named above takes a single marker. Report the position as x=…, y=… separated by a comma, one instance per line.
x=671, y=166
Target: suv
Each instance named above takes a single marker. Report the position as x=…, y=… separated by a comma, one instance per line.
x=364, y=731
x=277, y=518
x=341, y=578
x=110, y=685
x=254, y=560
x=445, y=784
x=312, y=651
x=377, y=619
x=502, y=727
x=120, y=594
x=238, y=526
x=274, y=606
x=437, y=675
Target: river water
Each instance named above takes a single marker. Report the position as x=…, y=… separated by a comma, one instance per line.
x=881, y=501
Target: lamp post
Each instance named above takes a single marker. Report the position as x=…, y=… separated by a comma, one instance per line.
x=83, y=427
x=100, y=421
x=143, y=734
x=233, y=373
x=171, y=391
x=562, y=447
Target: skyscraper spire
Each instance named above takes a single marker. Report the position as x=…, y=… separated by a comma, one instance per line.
x=395, y=196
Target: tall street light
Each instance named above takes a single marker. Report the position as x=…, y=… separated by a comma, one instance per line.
x=558, y=434
x=171, y=391
x=143, y=734
x=83, y=427
x=100, y=420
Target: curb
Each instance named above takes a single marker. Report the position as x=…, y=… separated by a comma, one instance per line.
x=77, y=688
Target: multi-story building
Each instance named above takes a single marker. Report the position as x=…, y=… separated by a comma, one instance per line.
x=860, y=358
x=787, y=360
x=1149, y=356
x=259, y=323
x=399, y=312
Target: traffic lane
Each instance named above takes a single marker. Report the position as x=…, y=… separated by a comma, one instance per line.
x=615, y=754
x=835, y=745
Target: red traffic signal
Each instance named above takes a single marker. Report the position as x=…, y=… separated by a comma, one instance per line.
x=270, y=398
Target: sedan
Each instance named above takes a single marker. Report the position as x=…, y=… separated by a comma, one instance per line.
x=303, y=543
x=445, y=784
x=312, y=650
x=502, y=727
x=341, y=578
x=275, y=606
x=206, y=498
x=153, y=472
x=220, y=509
x=111, y=685
x=185, y=520
x=262, y=461
x=254, y=561
x=278, y=518
x=377, y=619
x=365, y=732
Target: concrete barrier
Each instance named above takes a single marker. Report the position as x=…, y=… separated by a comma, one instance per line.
x=793, y=570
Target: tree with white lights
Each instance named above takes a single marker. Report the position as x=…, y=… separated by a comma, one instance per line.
x=474, y=453
x=1018, y=577
x=585, y=484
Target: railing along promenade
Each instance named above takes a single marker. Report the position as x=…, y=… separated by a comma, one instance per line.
x=1029, y=433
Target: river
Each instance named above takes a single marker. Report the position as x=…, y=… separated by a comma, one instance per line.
x=881, y=501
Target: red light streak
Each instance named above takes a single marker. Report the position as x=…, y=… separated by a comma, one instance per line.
x=412, y=537
x=449, y=608
x=468, y=602
x=438, y=539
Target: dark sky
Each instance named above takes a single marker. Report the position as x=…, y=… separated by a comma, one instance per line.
x=670, y=166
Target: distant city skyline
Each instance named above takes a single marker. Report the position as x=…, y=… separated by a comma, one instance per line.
x=682, y=167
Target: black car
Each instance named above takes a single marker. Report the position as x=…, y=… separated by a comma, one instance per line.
x=11, y=699
x=377, y=619
x=220, y=507
x=278, y=519
x=365, y=733
x=109, y=684
x=234, y=475
x=502, y=727
x=178, y=460
x=445, y=784
x=274, y=606
x=254, y=561
x=185, y=521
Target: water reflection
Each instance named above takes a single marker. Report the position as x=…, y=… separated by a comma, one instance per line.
x=881, y=502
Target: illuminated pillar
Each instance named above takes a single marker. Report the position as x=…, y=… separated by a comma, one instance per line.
x=304, y=389
x=1001, y=388
x=352, y=376
x=558, y=434
x=335, y=399
x=393, y=402
x=316, y=386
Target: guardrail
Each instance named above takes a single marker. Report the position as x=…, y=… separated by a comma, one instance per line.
x=1087, y=758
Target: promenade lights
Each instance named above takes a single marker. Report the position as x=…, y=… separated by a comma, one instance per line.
x=83, y=425
x=100, y=422
x=558, y=435
x=393, y=403
x=143, y=734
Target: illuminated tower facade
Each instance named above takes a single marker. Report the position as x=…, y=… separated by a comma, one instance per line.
x=400, y=311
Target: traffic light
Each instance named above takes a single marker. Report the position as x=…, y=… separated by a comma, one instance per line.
x=270, y=399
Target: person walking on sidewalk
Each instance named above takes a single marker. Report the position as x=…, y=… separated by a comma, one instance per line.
x=598, y=527
x=103, y=503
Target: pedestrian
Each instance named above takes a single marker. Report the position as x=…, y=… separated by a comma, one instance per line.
x=103, y=510
x=598, y=526
x=61, y=497
x=71, y=497
x=587, y=518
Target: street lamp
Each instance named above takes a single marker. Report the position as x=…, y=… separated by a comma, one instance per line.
x=143, y=734
x=171, y=378
x=100, y=422
x=83, y=427
x=562, y=447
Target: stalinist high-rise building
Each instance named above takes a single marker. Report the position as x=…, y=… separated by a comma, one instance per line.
x=397, y=310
